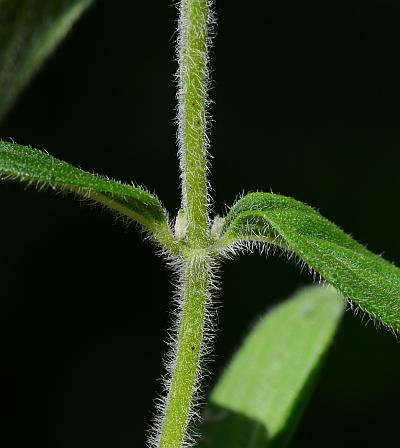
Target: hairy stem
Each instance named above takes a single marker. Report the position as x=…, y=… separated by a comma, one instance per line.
x=192, y=96
x=186, y=369
x=192, y=102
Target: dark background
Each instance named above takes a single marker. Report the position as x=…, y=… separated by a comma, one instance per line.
x=306, y=103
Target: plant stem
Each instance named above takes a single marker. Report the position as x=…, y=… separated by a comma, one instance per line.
x=192, y=101
x=192, y=95
x=187, y=358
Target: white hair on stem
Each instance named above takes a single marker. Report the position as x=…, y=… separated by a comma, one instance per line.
x=185, y=81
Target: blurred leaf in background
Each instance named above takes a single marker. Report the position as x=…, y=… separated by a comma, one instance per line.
x=29, y=31
x=261, y=395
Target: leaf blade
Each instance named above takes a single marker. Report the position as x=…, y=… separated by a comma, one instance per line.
x=260, y=397
x=34, y=166
x=368, y=280
x=29, y=31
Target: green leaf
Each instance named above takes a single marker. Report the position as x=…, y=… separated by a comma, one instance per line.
x=261, y=395
x=29, y=31
x=369, y=281
x=38, y=168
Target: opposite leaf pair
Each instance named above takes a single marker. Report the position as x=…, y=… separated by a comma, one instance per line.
x=366, y=279
x=277, y=365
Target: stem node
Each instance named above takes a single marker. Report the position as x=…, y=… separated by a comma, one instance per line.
x=191, y=224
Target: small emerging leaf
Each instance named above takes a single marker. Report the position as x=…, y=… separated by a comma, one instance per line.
x=365, y=278
x=29, y=31
x=260, y=397
x=33, y=166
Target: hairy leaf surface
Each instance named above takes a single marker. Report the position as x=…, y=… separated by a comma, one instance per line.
x=29, y=31
x=365, y=278
x=38, y=168
x=260, y=397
